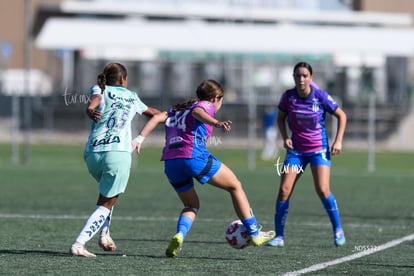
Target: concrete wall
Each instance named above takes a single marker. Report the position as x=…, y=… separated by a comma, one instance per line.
x=12, y=30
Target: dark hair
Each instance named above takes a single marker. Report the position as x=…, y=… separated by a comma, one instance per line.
x=303, y=64
x=206, y=91
x=111, y=75
x=183, y=105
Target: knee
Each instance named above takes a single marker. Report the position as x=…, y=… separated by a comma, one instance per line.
x=190, y=212
x=191, y=209
x=107, y=202
x=235, y=187
x=323, y=193
x=284, y=193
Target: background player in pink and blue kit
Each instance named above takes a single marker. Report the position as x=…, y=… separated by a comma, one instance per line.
x=187, y=128
x=305, y=107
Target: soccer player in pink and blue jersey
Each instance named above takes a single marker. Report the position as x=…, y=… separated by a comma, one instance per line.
x=187, y=128
x=305, y=107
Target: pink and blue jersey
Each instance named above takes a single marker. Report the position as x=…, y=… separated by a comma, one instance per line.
x=306, y=118
x=185, y=136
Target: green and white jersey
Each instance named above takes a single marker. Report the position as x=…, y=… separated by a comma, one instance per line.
x=113, y=132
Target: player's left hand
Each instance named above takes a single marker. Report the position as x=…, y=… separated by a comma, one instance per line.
x=137, y=142
x=136, y=146
x=336, y=148
x=225, y=125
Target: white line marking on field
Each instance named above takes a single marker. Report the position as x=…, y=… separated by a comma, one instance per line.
x=152, y=218
x=351, y=257
x=74, y=217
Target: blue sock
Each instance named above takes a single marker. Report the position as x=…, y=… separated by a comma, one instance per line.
x=251, y=226
x=184, y=225
x=280, y=217
x=332, y=209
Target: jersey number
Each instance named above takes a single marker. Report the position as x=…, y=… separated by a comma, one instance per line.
x=111, y=122
x=178, y=120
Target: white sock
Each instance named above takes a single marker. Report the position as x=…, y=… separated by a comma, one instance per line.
x=93, y=224
x=107, y=223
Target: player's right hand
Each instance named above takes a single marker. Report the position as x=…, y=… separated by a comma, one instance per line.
x=288, y=144
x=94, y=114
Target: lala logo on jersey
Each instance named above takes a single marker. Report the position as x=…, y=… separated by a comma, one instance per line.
x=106, y=141
x=315, y=105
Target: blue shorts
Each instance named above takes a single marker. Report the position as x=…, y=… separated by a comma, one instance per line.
x=111, y=169
x=300, y=160
x=181, y=171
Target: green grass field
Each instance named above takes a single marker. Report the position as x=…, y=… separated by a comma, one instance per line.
x=45, y=203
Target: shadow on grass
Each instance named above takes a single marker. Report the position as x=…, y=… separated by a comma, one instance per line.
x=201, y=243
x=32, y=252
x=167, y=241
x=66, y=254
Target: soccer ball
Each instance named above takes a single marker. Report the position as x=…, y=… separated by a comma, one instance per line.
x=236, y=235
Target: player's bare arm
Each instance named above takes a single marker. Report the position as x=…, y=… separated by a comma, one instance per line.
x=202, y=116
x=281, y=123
x=94, y=114
x=158, y=118
x=337, y=144
x=151, y=111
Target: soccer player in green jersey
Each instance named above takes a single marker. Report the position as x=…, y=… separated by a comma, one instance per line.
x=108, y=150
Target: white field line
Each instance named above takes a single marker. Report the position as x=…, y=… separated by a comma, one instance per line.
x=358, y=255
x=153, y=218
x=74, y=217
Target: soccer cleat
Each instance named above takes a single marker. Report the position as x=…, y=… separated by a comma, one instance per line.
x=277, y=242
x=339, y=237
x=262, y=238
x=106, y=243
x=175, y=245
x=78, y=249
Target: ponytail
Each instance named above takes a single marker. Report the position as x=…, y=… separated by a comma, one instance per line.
x=183, y=105
x=101, y=80
x=206, y=91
